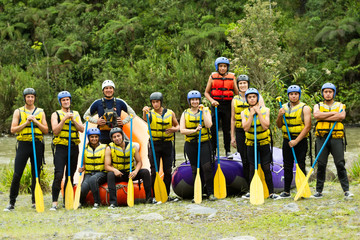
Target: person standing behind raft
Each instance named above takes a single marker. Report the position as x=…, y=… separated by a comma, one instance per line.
x=298, y=118
x=220, y=89
x=95, y=174
x=60, y=127
x=190, y=127
x=109, y=111
x=117, y=163
x=239, y=104
x=263, y=137
x=21, y=125
x=163, y=126
x=326, y=113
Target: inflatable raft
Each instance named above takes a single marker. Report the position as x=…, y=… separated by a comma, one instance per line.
x=182, y=181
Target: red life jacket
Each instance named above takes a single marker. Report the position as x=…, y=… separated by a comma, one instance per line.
x=222, y=87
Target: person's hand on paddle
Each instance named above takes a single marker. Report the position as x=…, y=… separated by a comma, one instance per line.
x=252, y=111
x=81, y=169
x=257, y=109
x=146, y=109
x=215, y=103
x=233, y=142
x=31, y=118
x=133, y=174
x=293, y=143
x=281, y=112
x=117, y=173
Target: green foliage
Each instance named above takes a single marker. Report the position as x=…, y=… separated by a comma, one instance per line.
x=170, y=46
x=355, y=170
x=7, y=172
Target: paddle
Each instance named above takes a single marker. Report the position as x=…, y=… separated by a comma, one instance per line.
x=197, y=183
x=303, y=185
x=69, y=190
x=159, y=185
x=256, y=188
x=39, y=198
x=130, y=190
x=219, y=179
x=299, y=175
x=78, y=188
x=262, y=177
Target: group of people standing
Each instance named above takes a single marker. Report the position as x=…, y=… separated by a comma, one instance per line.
x=107, y=155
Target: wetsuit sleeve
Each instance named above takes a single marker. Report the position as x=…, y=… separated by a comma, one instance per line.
x=90, y=112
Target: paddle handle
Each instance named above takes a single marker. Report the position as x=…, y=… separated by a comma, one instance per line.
x=83, y=150
x=199, y=140
x=255, y=142
x=152, y=142
x=69, y=148
x=217, y=135
x=131, y=139
x=288, y=132
x=326, y=140
x=34, y=150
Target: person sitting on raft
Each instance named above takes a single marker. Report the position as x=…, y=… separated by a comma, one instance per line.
x=190, y=127
x=263, y=137
x=117, y=163
x=95, y=174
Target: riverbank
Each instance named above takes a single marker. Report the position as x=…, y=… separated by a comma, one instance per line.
x=331, y=217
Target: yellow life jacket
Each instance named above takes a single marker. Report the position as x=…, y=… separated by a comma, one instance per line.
x=262, y=136
x=94, y=159
x=121, y=158
x=63, y=137
x=323, y=127
x=159, y=123
x=295, y=120
x=25, y=134
x=192, y=121
x=240, y=105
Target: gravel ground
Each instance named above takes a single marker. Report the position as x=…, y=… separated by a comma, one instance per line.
x=331, y=217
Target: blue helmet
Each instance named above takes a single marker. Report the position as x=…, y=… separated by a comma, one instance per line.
x=63, y=94
x=330, y=86
x=222, y=60
x=93, y=131
x=193, y=94
x=250, y=91
x=294, y=88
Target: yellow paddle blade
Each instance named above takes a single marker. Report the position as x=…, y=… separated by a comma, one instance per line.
x=303, y=185
x=197, y=188
x=256, y=190
x=130, y=193
x=299, y=179
x=39, y=198
x=219, y=184
x=78, y=193
x=262, y=177
x=69, y=195
x=160, y=189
